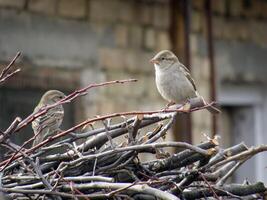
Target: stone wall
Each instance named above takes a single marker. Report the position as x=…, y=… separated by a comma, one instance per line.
x=93, y=40
x=107, y=39
x=98, y=40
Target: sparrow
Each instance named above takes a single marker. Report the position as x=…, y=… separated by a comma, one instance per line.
x=49, y=123
x=173, y=80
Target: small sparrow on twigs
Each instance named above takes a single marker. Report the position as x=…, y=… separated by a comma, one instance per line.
x=174, y=81
x=49, y=123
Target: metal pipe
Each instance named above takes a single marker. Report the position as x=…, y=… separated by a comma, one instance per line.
x=186, y=13
x=208, y=15
x=179, y=34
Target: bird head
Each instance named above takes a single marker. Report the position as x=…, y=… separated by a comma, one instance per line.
x=52, y=96
x=164, y=59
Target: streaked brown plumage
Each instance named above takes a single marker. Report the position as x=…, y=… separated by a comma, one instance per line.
x=49, y=123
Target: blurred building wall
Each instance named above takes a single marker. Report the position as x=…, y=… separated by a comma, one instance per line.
x=240, y=37
x=239, y=29
x=68, y=44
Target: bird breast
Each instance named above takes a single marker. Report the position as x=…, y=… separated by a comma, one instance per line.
x=173, y=85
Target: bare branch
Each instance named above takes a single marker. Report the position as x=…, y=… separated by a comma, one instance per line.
x=140, y=188
x=92, y=165
x=8, y=132
x=236, y=189
x=5, y=74
x=243, y=155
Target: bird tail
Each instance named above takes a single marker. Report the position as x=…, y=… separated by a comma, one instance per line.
x=212, y=109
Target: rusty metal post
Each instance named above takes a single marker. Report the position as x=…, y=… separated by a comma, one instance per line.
x=180, y=35
x=185, y=5
x=208, y=16
x=186, y=8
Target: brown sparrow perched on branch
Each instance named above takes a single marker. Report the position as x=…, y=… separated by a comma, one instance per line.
x=174, y=81
x=49, y=123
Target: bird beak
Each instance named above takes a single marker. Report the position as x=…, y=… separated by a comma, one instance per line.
x=154, y=61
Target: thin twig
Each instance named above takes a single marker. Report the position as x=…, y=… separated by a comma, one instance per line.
x=243, y=155
x=210, y=187
x=68, y=99
x=230, y=173
x=5, y=74
x=45, y=109
x=82, y=124
x=6, y=134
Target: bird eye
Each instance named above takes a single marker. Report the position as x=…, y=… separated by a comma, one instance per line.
x=162, y=58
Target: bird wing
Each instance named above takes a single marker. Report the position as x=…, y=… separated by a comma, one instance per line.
x=52, y=118
x=188, y=76
x=36, y=122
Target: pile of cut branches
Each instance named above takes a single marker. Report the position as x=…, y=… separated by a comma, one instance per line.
x=93, y=164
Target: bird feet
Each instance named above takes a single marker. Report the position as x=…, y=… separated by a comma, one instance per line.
x=186, y=106
x=168, y=105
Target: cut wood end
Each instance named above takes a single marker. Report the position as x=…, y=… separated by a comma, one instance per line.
x=187, y=107
x=18, y=119
x=215, y=141
x=212, y=151
x=140, y=116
